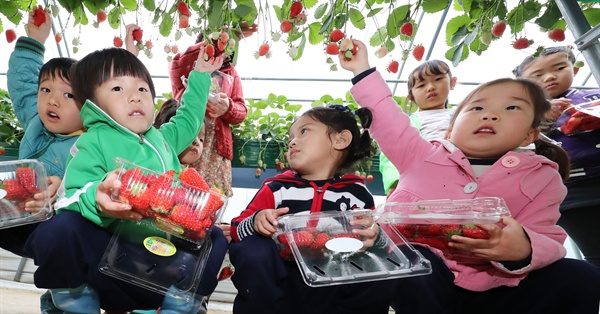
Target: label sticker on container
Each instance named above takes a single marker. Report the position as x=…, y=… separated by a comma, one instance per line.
x=344, y=245
x=159, y=246
x=2, y=194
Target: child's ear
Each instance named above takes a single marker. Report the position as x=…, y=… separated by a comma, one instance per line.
x=531, y=136
x=453, y=82
x=342, y=139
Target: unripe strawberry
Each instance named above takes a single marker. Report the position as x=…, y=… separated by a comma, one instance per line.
x=174, y=49
x=167, y=48
x=486, y=38
x=149, y=44
x=381, y=52
x=346, y=45
x=293, y=52
x=183, y=21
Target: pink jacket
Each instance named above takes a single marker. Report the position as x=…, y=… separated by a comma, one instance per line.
x=529, y=183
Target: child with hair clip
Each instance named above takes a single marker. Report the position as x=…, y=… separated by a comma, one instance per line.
x=579, y=135
x=324, y=145
x=429, y=85
x=523, y=269
x=117, y=94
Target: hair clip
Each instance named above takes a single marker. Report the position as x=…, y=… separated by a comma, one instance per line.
x=342, y=108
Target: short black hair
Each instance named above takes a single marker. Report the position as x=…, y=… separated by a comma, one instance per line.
x=568, y=51
x=57, y=68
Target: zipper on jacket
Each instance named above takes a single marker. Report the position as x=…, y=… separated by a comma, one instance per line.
x=141, y=138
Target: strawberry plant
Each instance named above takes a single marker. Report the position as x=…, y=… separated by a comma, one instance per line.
x=11, y=131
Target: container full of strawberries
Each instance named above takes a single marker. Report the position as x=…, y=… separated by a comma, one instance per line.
x=20, y=180
x=434, y=222
x=179, y=203
x=328, y=252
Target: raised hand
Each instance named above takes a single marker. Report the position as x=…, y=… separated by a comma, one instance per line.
x=359, y=62
x=210, y=65
x=129, y=41
x=41, y=32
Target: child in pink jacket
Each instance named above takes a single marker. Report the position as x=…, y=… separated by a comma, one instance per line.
x=523, y=269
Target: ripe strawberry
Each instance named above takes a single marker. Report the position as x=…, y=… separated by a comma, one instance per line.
x=184, y=216
x=428, y=229
x=418, y=52
x=226, y=272
x=101, y=16
x=303, y=238
x=296, y=8
x=557, y=34
x=165, y=180
x=118, y=42
x=406, y=29
x=336, y=35
x=575, y=70
x=257, y=172
x=286, y=253
x=370, y=178
x=283, y=239
x=130, y=180
x=406, y=232
x=14, y=190
x=140, y=199
x=137, y=34
x=58, y=37
x=212, y=204
x=10, y=35
x=450, y=229
x=39, y=17
x=2, y=150
x=320, y=240
x=183, y=8
x=332, y=49
x=149, y=44
x=286, y=26
x=190, y=178
x=498, y=28
x=181, y=196
x=475, y=232
x=393, y=66
x=209, y=51
x=27, y=178
x=521, y=43
x=263, y=49
x=183, y=21
x=224, y=38
x=161, y=199
x=437, y=243
x=346, y=235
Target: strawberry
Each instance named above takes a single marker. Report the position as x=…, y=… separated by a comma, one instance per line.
x=210, y=51
x=370, y=178
x=381, y=52
x=212, y=204
x=10, y=35
x=433, y=242
x=183, y=21
x=283, y=239
x=406, y=29
x=180, y=196
x=2, y=150
x=149, y=44
x=286, y=26
x=303, y=238
x=161, y=199
x=224, y=38
x=100, y=16
x=164, y=181
x=575, y=70
x=336, y=35
x=393, y=66
x=450, y=229
x=226, y=272
x=257, y=172
x=498, y=28
x=428, y=229
x=39, y=17
x=130, y=181
x=296, y=8
x=118, y=42
x=58, y=37
x=418, y=52
x=521, y=43
x=475, y=232
x=263, y=49
x=140, y=199
x=14, y=190
x=332, y=49
x=286, y=253
x=28, y=179
x=184, y=216
x=320, y=240
x=346, y=235
x=406, y=232
x=137, y=34
x=174, y=49
x=183, y=8
x=557, y=34
x=190, y=178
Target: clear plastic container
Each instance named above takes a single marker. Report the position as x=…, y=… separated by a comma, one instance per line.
x=19, y=181
x=328, y=253
x=433, y=222
x=180, y=209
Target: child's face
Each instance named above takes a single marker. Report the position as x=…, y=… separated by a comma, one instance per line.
x=192, y=154
x=128, y=101
x=554, y=73
x=494, y=121
x=432, y=92
x=56, y=106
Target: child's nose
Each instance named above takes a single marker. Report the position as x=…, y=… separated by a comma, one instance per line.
x=53, y=102
x=549, y=77
x=490, y=116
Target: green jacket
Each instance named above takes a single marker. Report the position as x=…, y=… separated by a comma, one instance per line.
x=92, y=156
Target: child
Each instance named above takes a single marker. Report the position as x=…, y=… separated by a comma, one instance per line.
x=525, y=271
x=324, y=145
x=428, y=87
x=118, y=111
x=553, y=70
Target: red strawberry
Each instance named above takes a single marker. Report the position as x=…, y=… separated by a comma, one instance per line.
x=164, y=181
x=161, y=199
x=213, y=204
x=257, y=172
x=224, y=37
x=118, y=42
x=336, y=35
x=190, y=178
x=286, y=26
x=101, y=16
x=137, y=34
x=131, y=181
x=180, y=196
x=450, y=229
x=320, y=240
x=283, y=239
x=226, y=272
x=406, y=29
x=332, y=49
x=58, y=37
x=140, y=199
x=263, y=49
x=149, y=44
x=575, y=70
x=28, y=179
x=429, y=229
x=433, y=242
x=184, y=216
x=557, y=34
x=210, y=51
x=418, y=52
x=296, y=8
x=475, y=232
x=286, y=253
x=521, y=43
x=183, y=9
x=183, y=21
x=2, y=150
x=346, y=235
x=14, y=190
x=303, y=238
x=406, y=232
x=39, y=17
x=10, y=35
x=370, y=178
x=393, y=66
x=498, y=28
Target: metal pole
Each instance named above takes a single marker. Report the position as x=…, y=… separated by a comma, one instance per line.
x=586, y=38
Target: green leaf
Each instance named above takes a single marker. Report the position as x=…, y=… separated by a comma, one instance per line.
x=550, y=16
x=457, y=54
x=377, y=37
x=244, y=11
x=314, y=37
x=278, y=13
x=309, y=3
x=357, y=19
x=79, y=15
x=326, y=23
x=166, y=25
x=374, y=12
x=68, y=5
x=114, y=18
x=592, y=15
x=320, y=11
x=11, y=11
x=521, y=14
x=501, y=9
x=301, y=48
x=472, y=36
x=395, y=20
x=458, y=36
x=340, y=20
x=149, y=5
x=130, y=5
x=466, y=5
x=432, y=6
x=454, y=26
x=216, y=14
